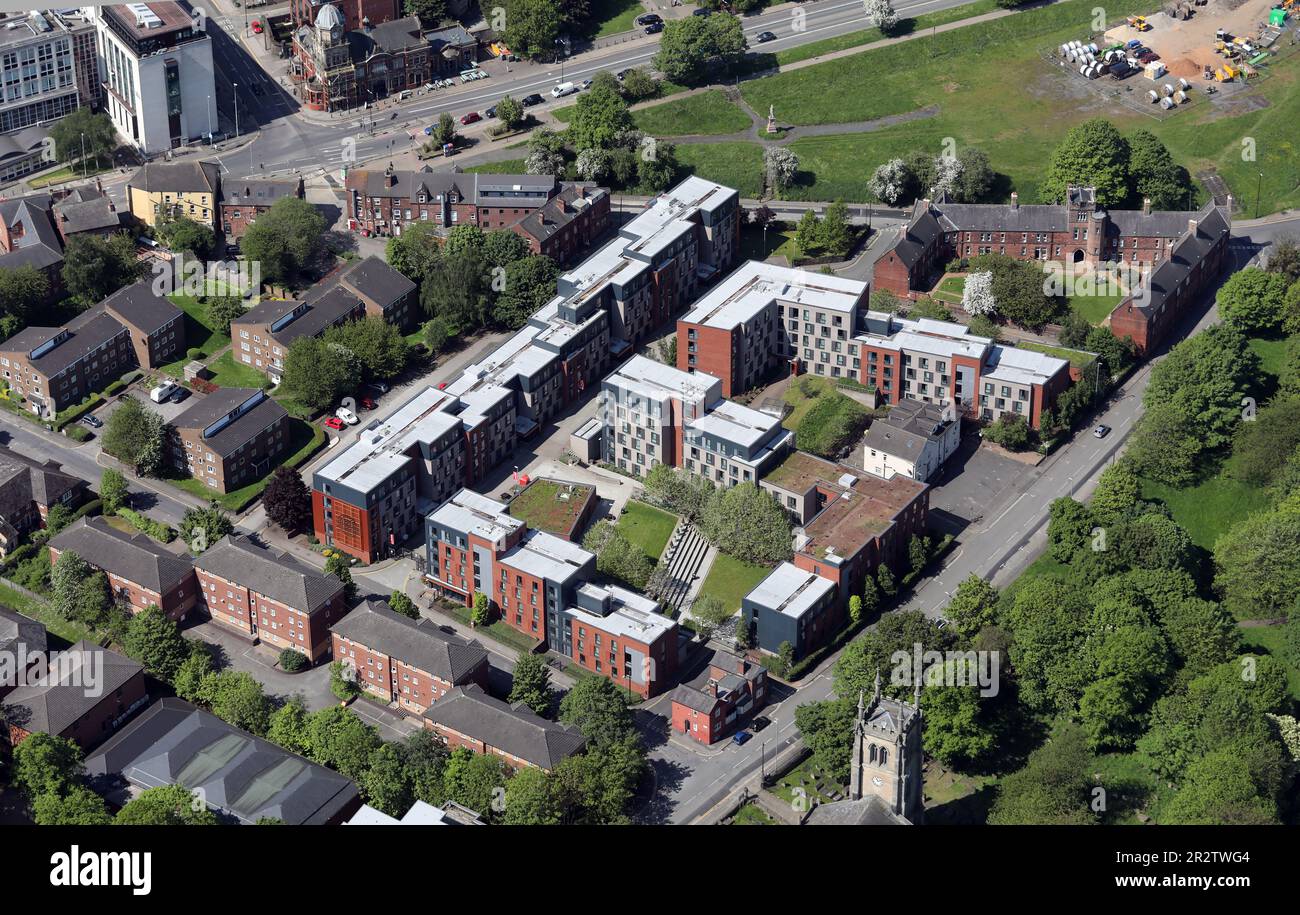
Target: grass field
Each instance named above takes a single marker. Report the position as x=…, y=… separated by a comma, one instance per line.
x=729, y=579
x=1271, y=353
x=708, y=113
x=504, y=167
x=1208, y=509
x=42, y=612
x=736, y=164
x=905, y=26
x=648, y=527
x=1268, y=640
x=752, y=815
x=779, y=241
x=200, y=333
x=1077, y=358
x=951, y=289
x=615, y=16
x=1094, y=308
x=228, y=373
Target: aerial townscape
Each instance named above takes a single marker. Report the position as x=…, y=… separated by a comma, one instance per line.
x=648, y=412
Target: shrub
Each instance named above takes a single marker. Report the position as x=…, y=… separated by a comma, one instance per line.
x=155, y=529
x=292, y=661
x=78, y=433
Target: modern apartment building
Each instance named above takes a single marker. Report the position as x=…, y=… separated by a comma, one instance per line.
x=656, y=414
x=169, y=190
x=229, y=438
x=51, y=368
x=269, y=596
x=159, y=79
x=140, y=572
x=413, y=663
x=242, y=202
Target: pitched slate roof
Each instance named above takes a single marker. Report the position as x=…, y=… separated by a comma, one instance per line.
x=695, y=699
x=86, y=210
x=141, y=307
x=260, y=192
x=16, y=629
x=866, y=811
x=42, y=483
x=1188, y=251
x=373, y=278
x=57, y=704
x=190, y=177
x=470, y=711
x=246, y=777
x=131, y=556
x=241, y=430
x=40, y=245
x=917, y=237
x=420, y=644
x=86, y=332
x=272, y=573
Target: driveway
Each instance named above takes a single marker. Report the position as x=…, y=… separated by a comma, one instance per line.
x=168, y=410
x=971, y=480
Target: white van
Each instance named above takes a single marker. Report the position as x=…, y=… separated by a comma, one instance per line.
x=163, y=391
x=563, y=89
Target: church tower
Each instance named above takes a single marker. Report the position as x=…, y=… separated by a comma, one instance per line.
x=887, y=753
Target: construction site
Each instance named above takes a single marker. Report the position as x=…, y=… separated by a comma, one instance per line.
x=1189, y=51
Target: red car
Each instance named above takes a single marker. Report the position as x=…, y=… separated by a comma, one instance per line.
x=366, y=403
x=471, y=117
x=334, y=423
x=442, y=385
x=257, y=27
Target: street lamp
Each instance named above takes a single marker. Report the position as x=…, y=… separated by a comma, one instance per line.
x=209, y=118
x=235, y=90
x=1258, y=184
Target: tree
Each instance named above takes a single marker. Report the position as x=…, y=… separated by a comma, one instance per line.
x=957, y=730
x=836, y=233
x=182, y=234
x=529, y=284
x=1117, y=494
x=237, y=698
x=189, y=678
x=1275, y=430
x=78, y=807
x=510, y=112
x=1009, y=430
x=656, y=165
x=918, y=553
x=285, y=239
x=379, y=347
x=1257, y=564
x=134, y=435
x=435, y=335
x=870, y=596
x=617, y=556
x=808, y=233
x=340, y=567
x=168, y=805
x=545, y=153
x=431, y=12
x=319, y=374
x=596, y=708
x=689, y=48
x=1095, y=155
x=746, y=522
x=708, y=614
x=343, y=681
x=1226, y=788
x=531, y=683
x=287, y=500
x=338, y=738
x=638, y=85
x=288, y=726
x=1284, y=257
x=1049, y=619
x=528, y=800
x=416, y=252
x=46, y=764
x=881, y=14
x=1052, y=788
x=155, y=641
x=480, y=612
x=532, y=26
x=1069, y=528
x=855, y=609
x=976, y=177
x=201, y=528
x=885, y=579
x=599, y=116
x=780, y=166
x=891, y=182
x=66, y=576
x=827, y=730
x=23, y=290
x=95, y=267
x=83, y=133
x=1252, y=300
x=1155, y=542
x=444, y=131
x=1018, y=289
x=977, y=294
x=1154, y=175
x=973, y=606
x=402, y=604
x=473, y=779
x=386, y=784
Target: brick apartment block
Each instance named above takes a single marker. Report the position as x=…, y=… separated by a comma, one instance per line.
x=368, y=499
x=413, y=663
x=764, y=318
x=1182, y=250
x=716, y=704
x=243, y=202
x=140, y=572
x=53, y=368
x=542, y=587
x=230, y=438
x=28, y=490
x=270, y=596
x=468, y=717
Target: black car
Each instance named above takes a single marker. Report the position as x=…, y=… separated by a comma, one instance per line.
x=622, y=73
x=531, y=100
x=490, y=112
x=648, y=18
x=703, y=11
x=759, y=723
x=762, y=37
x=654, y=27
x=179, y=395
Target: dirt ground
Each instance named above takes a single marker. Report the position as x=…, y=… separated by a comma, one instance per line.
x=1186, y=47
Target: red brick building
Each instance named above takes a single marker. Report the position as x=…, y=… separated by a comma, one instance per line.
x=468, y=717
x=718, y=704
x=242, y=202
x=413, y=663
x=28, y=490
x=85, y=694
x=140, y=572
x=269, y=596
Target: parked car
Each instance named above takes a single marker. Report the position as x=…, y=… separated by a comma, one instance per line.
x=529, y=101
x=257, y=27
x=648, y=18
x=93, y=421
x=654, y=28
x=759, y=723
x=347, y=416
x=563, y=89
x=740, y=738
x=471, y=117
x=585, y=84
x=442, y=385
x=762, y=37
x=622, y=73
x=704, y=11
x=334, y=423
x=180, y=394
x=490, y=112
x=1101, y=431
x=366, y=403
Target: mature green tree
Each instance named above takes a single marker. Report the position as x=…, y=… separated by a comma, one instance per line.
x=533, y=26
x=457, y=292
x=529, y=801
x=1154, y=175
x=596, y=788
x=510, y=112
x=1069, y=528
x=474, y=780
x=182, y=234
x=531, y=683
x=1227, y=788
x=958, y=729
x=1253, y=300
x=747, y=523
x=236, y=697
x=827, y=730
x=379, y=346
x=416, y=252
x=808, y=233
x=168, y=805
x=341, y=568
x=134, y=435
x=45, y=764
x=78, y=807
x=154, y=640
x=66, y=577
x=343, y=683
x=1018, y=289
x=976, y=178
x=1116, y=496
x=877, y=652
x=596, y=708
x=1274, y=430
x=1257, y=563
x=1156, y=542
x=501, y=248
x=84, y=133
x=386, y=785
x=23, y=290
x=656, y=166
x=319, y=374
x=481, y=611
x=682, y=493
x=287, y=500
x=224, y=310
x=1053, y=787
x=189, y=678
x=689, y=48
x=973, y=606
x=95, y=267
x=1164, y=447
x=617, y=556
x=402, y=604
x=1050, y=652
x=431, y=12
x=338, y=738
x=836, y=232
x=885, y=579
x=529, y=284
x=708, y=613
x=600, y=116
x=1093, y=154
x=288, y=726
x=201, y=528
x=285, y=240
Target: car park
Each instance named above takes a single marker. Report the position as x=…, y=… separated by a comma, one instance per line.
x=531, y=100
x=333, y=422
x=740, y=738
x=1101, y=431
x=347, y=416
x=762, y=37
x=470, y=118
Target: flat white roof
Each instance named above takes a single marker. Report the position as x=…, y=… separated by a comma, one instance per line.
x=790, y=590
x=381, y=447
x=544, y=555
x=1022, y=366
x=755, y=285
x=473, y=513
x=645, y=376
x=734, y=423
x=420, y=814
x=633, y=616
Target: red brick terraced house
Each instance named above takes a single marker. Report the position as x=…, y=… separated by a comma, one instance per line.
x=466, y=716
x=413, y=663
x=242, y=202
x=64, y=703
x=28, y=490
x=269, y=596
x=716, y=704
x=140, y=572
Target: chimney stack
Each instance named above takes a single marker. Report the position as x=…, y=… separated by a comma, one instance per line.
x=1146, y=206
x=1015, y=201
x=1191, y=226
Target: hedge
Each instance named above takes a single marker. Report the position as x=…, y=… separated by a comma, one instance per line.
x=155, y=529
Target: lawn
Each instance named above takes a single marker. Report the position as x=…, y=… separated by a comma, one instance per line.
x=1208, y=509
x=42, y=612
x=1271, y=353
x=200, y=333
x=614, y=16
x=866, y=36
x=736, y=164
x=1268, y=640
x=752, y=815
x=1076, y=357
x=648, y=527
x=730, y=579
x=228, y=373
x=304, y=440
x=800, y=403
x=504, y=167
x=1131, y=788
x=952, y=289
x=707, y=113
x=778, y=242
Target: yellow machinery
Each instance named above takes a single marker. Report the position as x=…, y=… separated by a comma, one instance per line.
x=1139, y=23
x=1227, y=74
